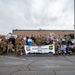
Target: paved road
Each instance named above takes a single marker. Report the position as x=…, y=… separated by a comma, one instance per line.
x=37, y=64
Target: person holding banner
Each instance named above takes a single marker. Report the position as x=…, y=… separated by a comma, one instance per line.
x=63, y=49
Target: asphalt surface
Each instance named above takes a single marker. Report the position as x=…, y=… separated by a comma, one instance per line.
x=37, y=64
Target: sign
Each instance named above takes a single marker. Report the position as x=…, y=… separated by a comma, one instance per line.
x=9, y=35
x=39, y=49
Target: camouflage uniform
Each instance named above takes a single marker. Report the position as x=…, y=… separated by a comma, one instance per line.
x=10, y=47
x=43, y=41
x=23, y=43
x=17, y=40
x=19, y=49
x=3, y=46
x=38, y=41
x=67, y=38
x=33, y=43
x=57, y=48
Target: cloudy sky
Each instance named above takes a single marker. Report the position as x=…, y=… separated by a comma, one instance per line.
x=36, y=14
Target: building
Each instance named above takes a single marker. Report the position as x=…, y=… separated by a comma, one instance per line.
x=23, y=33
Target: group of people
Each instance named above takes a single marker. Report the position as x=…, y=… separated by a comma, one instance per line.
x=63, y=45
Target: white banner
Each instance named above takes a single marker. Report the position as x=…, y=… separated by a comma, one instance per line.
x=39, y=49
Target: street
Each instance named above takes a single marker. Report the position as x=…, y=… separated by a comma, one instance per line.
x=37, y=64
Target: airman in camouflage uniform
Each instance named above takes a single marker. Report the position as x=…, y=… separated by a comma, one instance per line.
x=67, y=38
x=42, y=40
x=39, y=39
x=3, y=46
x=17, y=40
x=19, y=49
x=23, y=43
x=59, y=39
x=10, y=47
x=57, y=48
x=33, y=43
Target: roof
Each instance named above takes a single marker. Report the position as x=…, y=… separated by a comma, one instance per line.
x=41, y=30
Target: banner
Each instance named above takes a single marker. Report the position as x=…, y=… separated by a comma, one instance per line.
x=39, y=49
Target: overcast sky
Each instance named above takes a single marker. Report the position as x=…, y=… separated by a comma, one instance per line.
x=36, y=14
